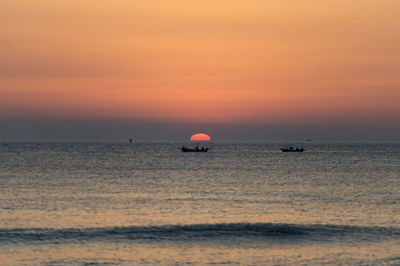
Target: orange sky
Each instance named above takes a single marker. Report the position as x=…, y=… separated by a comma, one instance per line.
x=217, y=61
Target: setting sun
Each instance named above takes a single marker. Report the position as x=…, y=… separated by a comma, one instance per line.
x=200, y=136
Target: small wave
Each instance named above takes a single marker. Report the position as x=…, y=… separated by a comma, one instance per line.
x=202, y=232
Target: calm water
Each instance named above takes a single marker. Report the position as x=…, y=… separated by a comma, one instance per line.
x=240, y=203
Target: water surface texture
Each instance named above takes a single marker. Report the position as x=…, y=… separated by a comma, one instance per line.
x=239, y=203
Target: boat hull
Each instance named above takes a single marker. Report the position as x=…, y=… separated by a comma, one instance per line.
x=293, y=150
x=184, y=149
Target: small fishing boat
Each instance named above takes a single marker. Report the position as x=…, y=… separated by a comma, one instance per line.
x=197, y=149
x=292, y=149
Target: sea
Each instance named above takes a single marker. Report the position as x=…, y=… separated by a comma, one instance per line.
x=240, y=203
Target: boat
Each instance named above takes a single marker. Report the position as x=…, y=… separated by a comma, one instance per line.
x=292, y=149
x=197, y=149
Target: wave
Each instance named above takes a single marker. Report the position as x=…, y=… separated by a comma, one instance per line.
x=232, y=232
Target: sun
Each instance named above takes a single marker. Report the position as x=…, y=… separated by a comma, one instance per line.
x=200, y=137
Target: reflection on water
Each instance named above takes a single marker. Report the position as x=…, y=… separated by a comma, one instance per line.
x=243, y=203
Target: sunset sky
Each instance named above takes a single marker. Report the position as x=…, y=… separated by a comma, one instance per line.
x=328, y=68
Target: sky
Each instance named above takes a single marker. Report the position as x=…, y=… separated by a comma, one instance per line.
x=163, y=70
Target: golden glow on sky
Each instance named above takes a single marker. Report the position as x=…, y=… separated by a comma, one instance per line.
x=200, y=136
x=206, y=61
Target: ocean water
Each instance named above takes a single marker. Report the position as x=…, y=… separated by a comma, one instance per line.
x=239, y=203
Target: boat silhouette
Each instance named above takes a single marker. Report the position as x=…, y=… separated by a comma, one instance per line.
x=197, y=149
x=290, y=148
